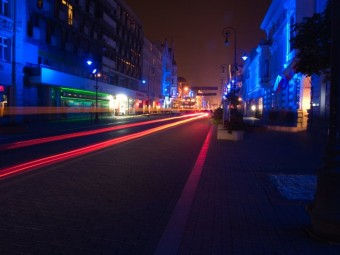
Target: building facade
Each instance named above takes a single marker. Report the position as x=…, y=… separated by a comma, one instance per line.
x=252, y=91
x=152, y=76
x=273, y=90
x=169, y=74
x=45, y=48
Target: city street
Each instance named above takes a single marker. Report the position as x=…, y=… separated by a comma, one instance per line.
x=114, y=201
x=177, y=191
x=37, y=144
x=169, y=127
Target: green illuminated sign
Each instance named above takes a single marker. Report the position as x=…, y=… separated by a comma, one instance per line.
x=83, y=92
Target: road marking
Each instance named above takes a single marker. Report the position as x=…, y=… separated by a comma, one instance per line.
x=174, y=230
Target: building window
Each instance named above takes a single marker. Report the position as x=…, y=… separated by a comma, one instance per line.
x=266, y=68
x=30, y=28
x=40, y=4
x=69, y=12
x=48, y=32
x=4, y=49
x=4, y=8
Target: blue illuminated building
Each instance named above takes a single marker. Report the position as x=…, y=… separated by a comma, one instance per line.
x=272, y=90
x=169, y=74
x=152, y=76
x=44, y=47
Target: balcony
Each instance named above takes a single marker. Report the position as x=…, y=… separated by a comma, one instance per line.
x=6, y=27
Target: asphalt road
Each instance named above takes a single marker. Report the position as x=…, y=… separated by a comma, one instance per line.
x=114, y=201
x=18, y=149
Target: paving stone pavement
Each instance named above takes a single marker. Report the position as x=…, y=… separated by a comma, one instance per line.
x=239, y=210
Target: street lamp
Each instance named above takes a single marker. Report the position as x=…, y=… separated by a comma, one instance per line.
x=150, y=75
x=148, y=100
x=95, y=73
x=226, y=33
x=96, y=116
x=231, y=114
x=244, y=56
x=148, y=93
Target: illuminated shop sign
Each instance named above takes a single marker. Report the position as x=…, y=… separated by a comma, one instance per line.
x=83, y=94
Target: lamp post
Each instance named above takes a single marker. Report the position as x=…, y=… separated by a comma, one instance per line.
x=148, y=104
x=231, y=117
x=95, y=73
x=226, y=33
x=148, y=93
x=96, y=116
x=149, y=80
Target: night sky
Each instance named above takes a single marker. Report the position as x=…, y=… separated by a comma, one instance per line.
x=194, y=28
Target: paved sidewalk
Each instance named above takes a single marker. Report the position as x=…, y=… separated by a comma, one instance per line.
x=238, y=208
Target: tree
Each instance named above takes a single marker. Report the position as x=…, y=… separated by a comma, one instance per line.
x=235, y=120
x=325, y=210
x=312, y=38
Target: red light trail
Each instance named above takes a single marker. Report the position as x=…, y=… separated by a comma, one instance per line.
x=34, y=164
x=32, y=142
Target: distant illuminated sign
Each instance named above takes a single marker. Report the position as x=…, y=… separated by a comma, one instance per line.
x=2, y=88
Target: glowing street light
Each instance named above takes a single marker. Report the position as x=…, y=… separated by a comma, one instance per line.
x=244, y=56
x=94, y=72
x=226, y=33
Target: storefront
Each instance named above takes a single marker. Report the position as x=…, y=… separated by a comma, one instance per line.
x=3, y=100
x=73, y=96
x=82, y=102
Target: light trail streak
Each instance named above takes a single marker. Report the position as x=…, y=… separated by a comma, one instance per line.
x=36, y=141
x=28, y=110
x=38, y=163
x=32, y=110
